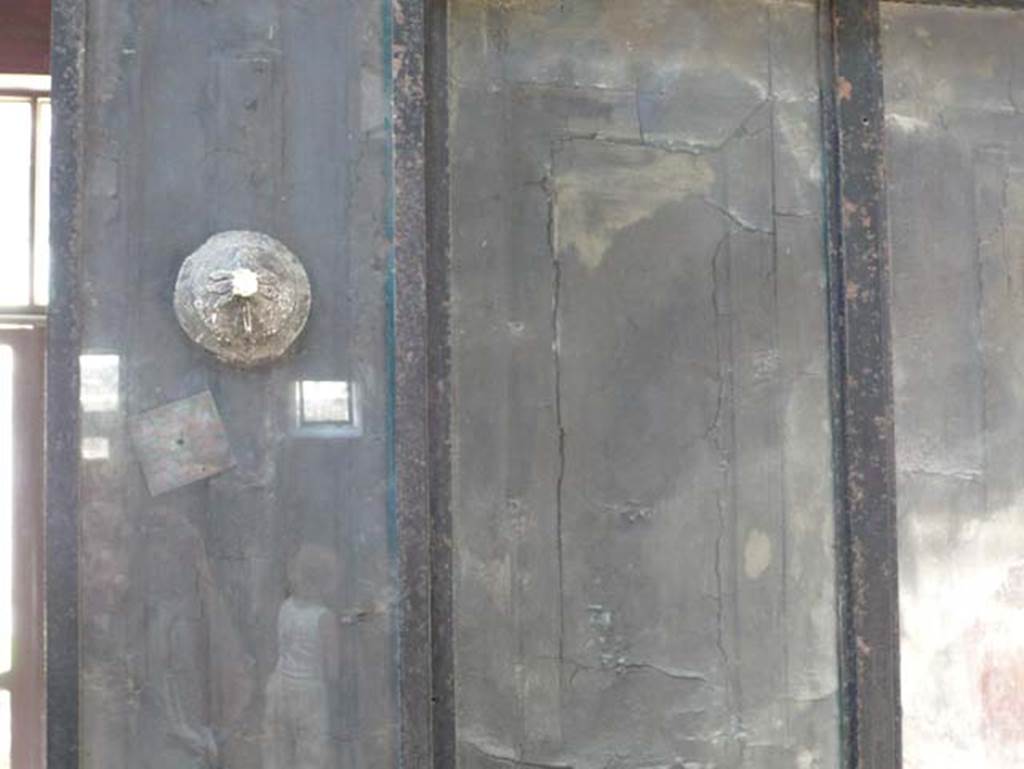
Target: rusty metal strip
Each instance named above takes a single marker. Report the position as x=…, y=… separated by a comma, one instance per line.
x=411, y=449
x=862, y=393
x=421, y=380
x=62, y=449
x=439, y=355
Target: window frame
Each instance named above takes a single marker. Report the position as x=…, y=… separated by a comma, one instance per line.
x=35, y=310
x=24, y=681
x=23, y=328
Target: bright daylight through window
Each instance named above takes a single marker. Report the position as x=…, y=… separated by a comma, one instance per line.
x=24, y=190
x=25, y=119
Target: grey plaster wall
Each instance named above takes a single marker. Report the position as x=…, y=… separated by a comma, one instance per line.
x=956, y=194
x=642, y=497
x=200, y=117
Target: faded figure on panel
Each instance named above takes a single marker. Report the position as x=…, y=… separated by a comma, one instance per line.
x=297, y=720
x=200, y=679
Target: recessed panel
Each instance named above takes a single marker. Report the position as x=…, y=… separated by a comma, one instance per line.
x=226, y=555
x=955, y=174
x=642, y=484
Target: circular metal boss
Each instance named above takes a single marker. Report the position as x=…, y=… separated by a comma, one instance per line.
x=243, y=296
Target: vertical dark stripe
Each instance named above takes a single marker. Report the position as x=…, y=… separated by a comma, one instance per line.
x=411, y=447
x=439, y=355
x=68, y=51
x=859, y=285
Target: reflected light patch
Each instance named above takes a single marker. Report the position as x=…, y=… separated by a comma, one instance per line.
x=100, y=382
x=95, y=448
x=327, y=403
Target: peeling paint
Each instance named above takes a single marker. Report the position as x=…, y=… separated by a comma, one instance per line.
x=623, y=186
x=757, y=554
x=844, y=89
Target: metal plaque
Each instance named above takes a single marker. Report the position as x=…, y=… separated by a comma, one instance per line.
x=181, y=443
